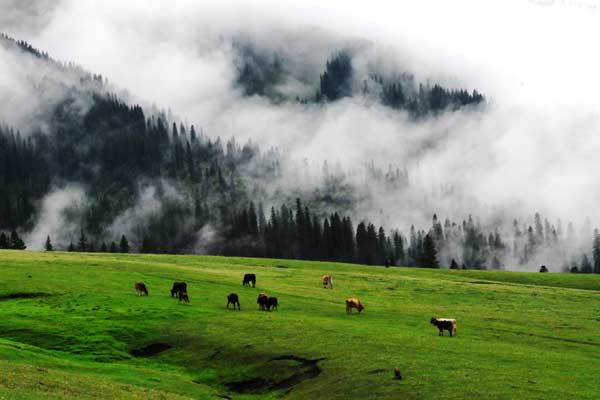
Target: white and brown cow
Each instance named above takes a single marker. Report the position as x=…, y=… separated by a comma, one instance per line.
x=327, y=282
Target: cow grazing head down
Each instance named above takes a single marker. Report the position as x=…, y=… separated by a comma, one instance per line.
x=249, y=279
x=141, y=289
x=262, y=301
x=327, y=281
x=354, y=303
x=233, y=299
x=183, y=297
x=177, y=288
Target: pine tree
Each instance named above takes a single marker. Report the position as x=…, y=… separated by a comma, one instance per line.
x=596, y=251
x=429, y=253
x=16, y=243
x=48, y=245
x=147, y=246
x=103, y=248
x=71, y=248
x=124, y=245
x=82, y=244
x=113, y=247
x=453, y=264
x=398, y=249
x=586, y=265
x=3, y=241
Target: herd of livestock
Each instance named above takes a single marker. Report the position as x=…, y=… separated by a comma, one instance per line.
x=268, y=303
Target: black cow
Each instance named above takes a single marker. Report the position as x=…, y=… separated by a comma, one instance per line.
x=177, y=288
x=272, y=303
x=543, y=268
x=183, y=296
x=248, y=279
x=233, y=299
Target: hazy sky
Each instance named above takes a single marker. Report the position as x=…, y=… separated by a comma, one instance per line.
x=529, y=51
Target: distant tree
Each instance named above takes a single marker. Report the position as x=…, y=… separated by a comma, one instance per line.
x=596, y=251
x=48, y=245
x=103, y=248
x=82, y=244
x=3, y=241
x=429, y=253
x=113, y=247
x=453, y=264
x=16, y=243
x=398, y=249
x=586, y=265
x=71, y=248
x=147, y=246
x=124, y=245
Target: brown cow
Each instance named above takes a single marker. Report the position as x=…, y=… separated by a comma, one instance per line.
x=262, y=301
x=140, y=289
x=353, y=303
x=327, y=282
x=442, y=324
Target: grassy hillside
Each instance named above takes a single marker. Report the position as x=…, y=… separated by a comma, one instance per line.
x=69, y=323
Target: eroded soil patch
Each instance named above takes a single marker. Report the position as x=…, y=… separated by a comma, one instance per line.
x=150, y=350
x=306, y=369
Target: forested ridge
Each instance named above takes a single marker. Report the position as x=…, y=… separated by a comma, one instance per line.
x=210, y=196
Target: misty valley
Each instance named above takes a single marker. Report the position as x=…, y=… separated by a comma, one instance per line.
x=186, y=187
x=94, y=171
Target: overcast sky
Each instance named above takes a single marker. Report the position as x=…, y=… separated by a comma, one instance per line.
x=529, y=51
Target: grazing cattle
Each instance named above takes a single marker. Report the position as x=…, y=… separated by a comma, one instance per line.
x=327, y=282
x=272, y=303
x=233, y=299
x=353, y=303
x=177, y=288
x=140, y=289
x=442, y=324
x=249, y=279
x=543, y=268
x=183, y=296
x=262, y=301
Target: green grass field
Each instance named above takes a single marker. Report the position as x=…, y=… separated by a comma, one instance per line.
x=68, y=324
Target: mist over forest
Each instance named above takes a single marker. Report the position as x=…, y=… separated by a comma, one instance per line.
x=265, y=137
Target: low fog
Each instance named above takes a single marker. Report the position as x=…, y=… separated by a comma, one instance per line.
x=533, y=147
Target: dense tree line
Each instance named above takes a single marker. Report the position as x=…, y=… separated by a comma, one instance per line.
x=263, y=72
x=297, y=232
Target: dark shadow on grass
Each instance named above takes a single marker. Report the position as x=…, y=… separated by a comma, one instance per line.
x=23, y=295
x=150, y=350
